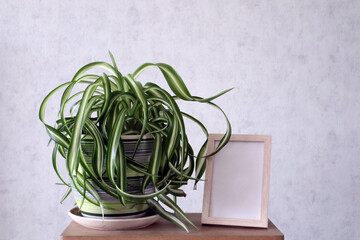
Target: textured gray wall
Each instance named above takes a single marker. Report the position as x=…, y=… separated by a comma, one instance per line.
x=295, y=65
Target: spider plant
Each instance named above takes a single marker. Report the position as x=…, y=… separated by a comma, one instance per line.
x=111, y=105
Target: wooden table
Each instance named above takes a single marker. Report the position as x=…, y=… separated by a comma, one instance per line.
x=163, y=230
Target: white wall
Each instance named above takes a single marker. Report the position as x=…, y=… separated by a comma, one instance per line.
x=295, y=65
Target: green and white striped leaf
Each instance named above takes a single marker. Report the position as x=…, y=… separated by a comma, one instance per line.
x=165, y=214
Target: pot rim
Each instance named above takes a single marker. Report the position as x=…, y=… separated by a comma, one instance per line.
x=146, y=136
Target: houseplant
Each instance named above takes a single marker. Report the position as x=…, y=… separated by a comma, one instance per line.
x=110, y=107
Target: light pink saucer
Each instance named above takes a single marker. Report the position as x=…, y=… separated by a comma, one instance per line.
x=111, y=224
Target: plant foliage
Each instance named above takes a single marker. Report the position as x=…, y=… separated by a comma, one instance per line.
x=111, y=105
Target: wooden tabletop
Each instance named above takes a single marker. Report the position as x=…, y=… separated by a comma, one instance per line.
x=163, y=230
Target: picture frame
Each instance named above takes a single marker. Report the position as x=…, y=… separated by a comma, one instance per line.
x=236, y=190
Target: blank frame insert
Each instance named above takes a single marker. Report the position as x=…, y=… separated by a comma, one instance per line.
x=237, y=181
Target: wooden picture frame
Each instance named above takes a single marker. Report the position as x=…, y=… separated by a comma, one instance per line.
x=237, y=182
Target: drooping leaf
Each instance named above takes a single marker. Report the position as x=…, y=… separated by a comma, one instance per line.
x=165, y=214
